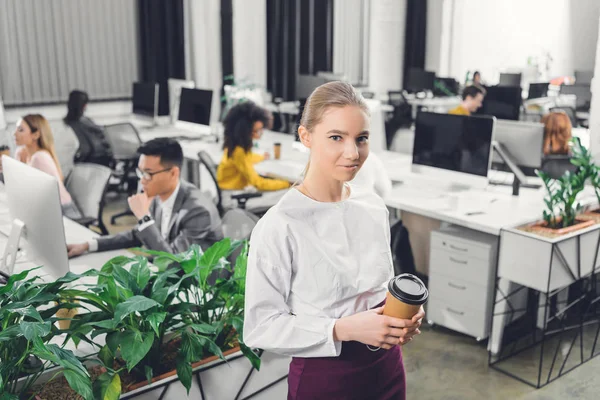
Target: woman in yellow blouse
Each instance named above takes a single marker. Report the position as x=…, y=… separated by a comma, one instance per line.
x=243, y=124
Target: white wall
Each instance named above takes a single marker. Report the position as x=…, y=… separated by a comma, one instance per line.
x=386, y=45
x=595, y=107
x=585, y=15
x=494, y=36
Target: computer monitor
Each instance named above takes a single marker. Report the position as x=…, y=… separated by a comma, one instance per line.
x=418, y=80
x=502, y=102
x=538, y=90
x=175, y=86
x=194, y=110
x=583, y=77
x=510, y=79
x=34, y=206
x=583, y=95
x=453, y=148
x=524, y=141
x=446, y=87
x=145, y=99
x=306, y=84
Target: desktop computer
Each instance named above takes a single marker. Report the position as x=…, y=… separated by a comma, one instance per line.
x=34, y=205
x=583, y=95
x=502, y=102
x=145, y=103
x=538, y=90
x=419, y=80
x=524, y=141
x=453, y=148
x=446, y=87
x=194, y=111
x=175, y=86
x=510, y=79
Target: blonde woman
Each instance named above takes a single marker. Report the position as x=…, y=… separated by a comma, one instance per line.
x=36, y=148
x=319, y=264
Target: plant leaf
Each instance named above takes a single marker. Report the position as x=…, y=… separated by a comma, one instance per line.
x=250, y=355
x=106, y=356
x=134, y=347
x=80, y=383
x=184, y=372
x=203, y=328
x=149, y=373
x=107, y=387
x=140, y=273
x=191, y=349
x=133, y=304
x=28, y=311
x=32, y=330
x=155, y=320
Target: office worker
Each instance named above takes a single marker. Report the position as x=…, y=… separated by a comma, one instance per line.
x=93, y=146
x=319, y=264
x=557, y=133
x=172, y=214
x=35, y=142
x=244, y=123
x=472, y=99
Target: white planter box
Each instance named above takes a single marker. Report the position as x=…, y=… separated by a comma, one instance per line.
x=221, y=381
x=546, y=264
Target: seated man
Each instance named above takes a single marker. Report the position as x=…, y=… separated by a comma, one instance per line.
x=472, y=100
x=172, y=214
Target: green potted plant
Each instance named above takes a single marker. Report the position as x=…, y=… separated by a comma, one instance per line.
x=26, y=329
x=167, y=321
x=561, y=242
x=237, y=91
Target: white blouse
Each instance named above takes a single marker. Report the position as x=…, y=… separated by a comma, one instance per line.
x=311, y=263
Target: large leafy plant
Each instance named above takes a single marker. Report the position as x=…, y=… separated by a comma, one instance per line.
x=582, y=158
x=561, y=201
x=27, y=309
x=141, y=310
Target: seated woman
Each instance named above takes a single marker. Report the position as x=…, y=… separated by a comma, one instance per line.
x=243, y=124
x=557, y=133
x=93, y=146
x=36, y=148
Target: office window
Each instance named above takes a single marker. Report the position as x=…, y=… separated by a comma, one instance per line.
x=48, y=48
x=316, y=36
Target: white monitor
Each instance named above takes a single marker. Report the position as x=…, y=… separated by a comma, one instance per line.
x=175, y=86
x=523, y=141
x=34, y=206
x=454, y=149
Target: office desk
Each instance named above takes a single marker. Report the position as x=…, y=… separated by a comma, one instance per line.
x=437, y=104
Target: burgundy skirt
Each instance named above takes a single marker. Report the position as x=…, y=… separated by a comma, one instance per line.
x=357, y=373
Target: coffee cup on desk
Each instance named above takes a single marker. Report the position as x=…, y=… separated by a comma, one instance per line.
x=406, y=294
x=277, y=151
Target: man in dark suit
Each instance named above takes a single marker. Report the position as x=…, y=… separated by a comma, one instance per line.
x=172, y=214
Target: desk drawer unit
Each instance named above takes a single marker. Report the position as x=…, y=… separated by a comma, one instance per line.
x=461, y=280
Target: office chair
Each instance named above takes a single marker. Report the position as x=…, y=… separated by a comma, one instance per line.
x=124, y=140
x=570, y=111
x=556, y=165
x=66, y=145
x=87, y=184
x=240, y=198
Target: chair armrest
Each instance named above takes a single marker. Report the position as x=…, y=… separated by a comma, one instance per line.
x=246, y=196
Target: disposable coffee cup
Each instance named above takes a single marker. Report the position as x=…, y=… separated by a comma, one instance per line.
x=406, y=294
x=277, y=150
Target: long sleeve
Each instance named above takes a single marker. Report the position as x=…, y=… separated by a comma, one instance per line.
x=269, y=323
x=245, y=166
x=256, y=158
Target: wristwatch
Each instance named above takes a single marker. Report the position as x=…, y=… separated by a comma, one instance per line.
x=145, y=218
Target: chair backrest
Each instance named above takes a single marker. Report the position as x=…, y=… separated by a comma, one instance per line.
x=569, y=111
x=124, y=140
x=557, y=164
x=207, y=162
x=66, y=145
x=87, y=184
x=238, y=224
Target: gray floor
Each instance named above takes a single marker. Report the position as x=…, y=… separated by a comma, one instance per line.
x=441, y=364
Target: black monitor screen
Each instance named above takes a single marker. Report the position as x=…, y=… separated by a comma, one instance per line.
x=144, y=98
x=502, y=102
x=446, y=87
x=195, y=106
x=538, y=90
x=453, y=142
x=419, y=80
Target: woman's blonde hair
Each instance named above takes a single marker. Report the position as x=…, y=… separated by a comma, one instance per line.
x=557, y=133
x=331, y=94
x=37, y=123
